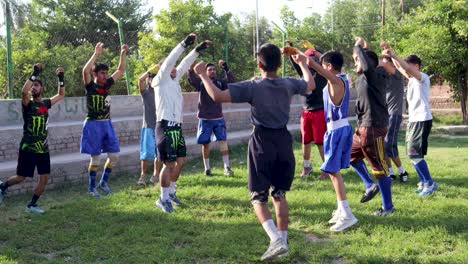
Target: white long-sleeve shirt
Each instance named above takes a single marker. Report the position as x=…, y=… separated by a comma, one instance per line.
x=168, y=93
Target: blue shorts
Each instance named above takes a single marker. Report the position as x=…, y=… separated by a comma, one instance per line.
x=147, y=144
x=98, y=137
x=391, y=139
x=208, y=127
x=337, y=149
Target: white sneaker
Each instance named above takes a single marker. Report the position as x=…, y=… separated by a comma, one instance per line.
x=429, y=189
x=34, y=209
x=420, y=187
x=277, y=248
x=335, y=217
x=344, y=223
x=154, y=179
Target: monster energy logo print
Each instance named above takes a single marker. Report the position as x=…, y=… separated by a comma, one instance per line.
x=175, y=137
x=98, y=101
x=38, y=125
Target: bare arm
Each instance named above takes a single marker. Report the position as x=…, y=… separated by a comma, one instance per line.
x=87, y=68
x=400, y=64
x=336, y=87
x=215, y=93
x=141, y=81
x=121, y=69
x=61, y=87
x=301, y=60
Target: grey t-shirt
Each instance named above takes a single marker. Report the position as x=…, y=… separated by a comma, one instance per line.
x=149, y=108
x=395, y=93
x=270, y=99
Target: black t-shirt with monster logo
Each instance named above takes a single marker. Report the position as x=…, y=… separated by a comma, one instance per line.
x=97, y=100
x=35, y=116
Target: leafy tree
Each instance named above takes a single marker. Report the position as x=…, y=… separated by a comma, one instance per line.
x=443, y=27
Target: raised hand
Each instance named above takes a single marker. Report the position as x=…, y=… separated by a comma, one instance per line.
x=299, y=58
x=60, y=76
x=289, y=43
x=189, y=40
x=384, y=44
x=124, y=49
x=289, y=51
x=200, y=68
x=99, y=48
x=37, y=68
x=204, y=45
x=359, y=41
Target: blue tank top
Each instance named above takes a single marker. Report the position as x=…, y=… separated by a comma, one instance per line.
x=336, y=112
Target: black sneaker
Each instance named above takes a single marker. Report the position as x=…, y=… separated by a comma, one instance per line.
x=404, y=177
x=392, y=176
x=208, y=172
x=370, y=193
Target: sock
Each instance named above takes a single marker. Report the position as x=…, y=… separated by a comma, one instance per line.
x=271, y=230
x=401, y=170
x=361, y=170
x=284, y=235
x=172, y=188
x=385, y=185
x=4, y=186
x=33, y=200
x=420, y=175
x=105, y=174
x=421, y=168
x=206, y=162
x=165, y=193
x=306, y=163
x=92, y=177
x=226, y=161
x=343, y=206
x=390, y=171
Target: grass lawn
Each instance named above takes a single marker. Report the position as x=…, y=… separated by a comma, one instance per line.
x=447, y=119
x=217, y=224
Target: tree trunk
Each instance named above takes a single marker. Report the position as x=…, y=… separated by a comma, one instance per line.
x=463, y=95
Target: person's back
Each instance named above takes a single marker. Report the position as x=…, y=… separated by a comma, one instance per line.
x=418, y=98
x=270, y=99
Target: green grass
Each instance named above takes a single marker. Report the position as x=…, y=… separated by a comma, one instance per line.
x=448, y=119
x=218, y=225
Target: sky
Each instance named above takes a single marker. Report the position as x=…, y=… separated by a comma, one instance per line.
x=267, y=8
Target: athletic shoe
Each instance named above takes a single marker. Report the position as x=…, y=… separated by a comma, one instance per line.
x=276, y=249
x=370, y=193
x=404, y=177
x=335, y=217
x=166, y=206
x=228, y=171
x=323, y=176
x=105, y=187
x=174, y=199
x=392, y=176
x=343, y=223
x=420, y=187
x=429, y=189
x=34, y=209
x=208, y=172
x=383, y=212
x=306, y=171
x=95, y=193
x=154, y=179
x=141, y=181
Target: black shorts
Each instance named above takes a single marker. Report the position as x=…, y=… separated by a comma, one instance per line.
x=417, y=134
x=271, y=160
x=170, y=141
x=28, y=161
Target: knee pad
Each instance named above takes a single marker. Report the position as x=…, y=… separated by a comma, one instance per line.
x=113, y=159
x=416, y=160
x=278, y=194
x=223, y=146
x=259, y=197
x=95, y=160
